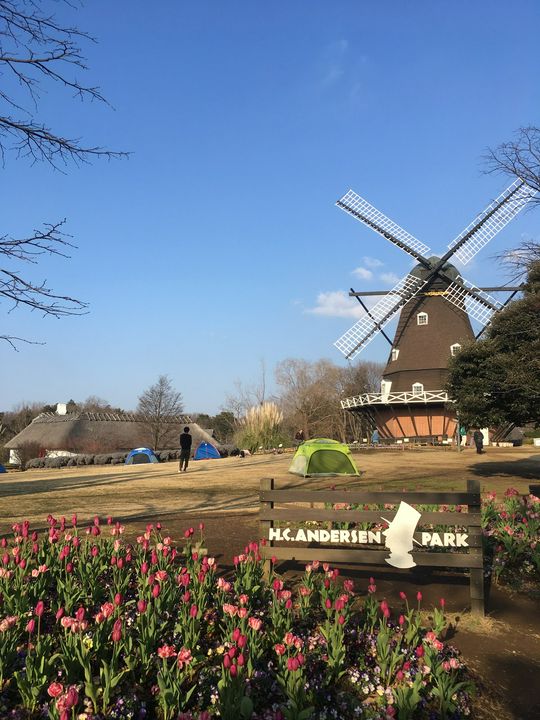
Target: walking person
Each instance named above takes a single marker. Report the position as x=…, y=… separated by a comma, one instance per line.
x=185, y=449
x=478, y=439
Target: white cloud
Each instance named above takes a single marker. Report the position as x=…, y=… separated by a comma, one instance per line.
x=336, y=303
x=389, y=277
x=372, y=262
x=334, y=69
x=362, y=273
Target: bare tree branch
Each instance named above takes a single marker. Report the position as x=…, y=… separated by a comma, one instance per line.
x=38, y=51
x=519, y=158
x=19, y=291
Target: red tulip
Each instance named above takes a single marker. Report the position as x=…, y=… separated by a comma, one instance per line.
x=116, y=634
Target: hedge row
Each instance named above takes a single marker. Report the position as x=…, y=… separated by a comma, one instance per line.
x=99, y=459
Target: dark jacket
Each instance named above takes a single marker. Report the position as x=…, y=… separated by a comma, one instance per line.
x=185, y=441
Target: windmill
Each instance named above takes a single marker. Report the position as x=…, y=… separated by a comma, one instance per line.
x=435, y=305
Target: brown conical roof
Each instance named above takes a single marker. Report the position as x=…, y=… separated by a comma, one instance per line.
x=424, y=349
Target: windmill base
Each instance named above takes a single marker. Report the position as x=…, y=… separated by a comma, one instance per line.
x=411, y=421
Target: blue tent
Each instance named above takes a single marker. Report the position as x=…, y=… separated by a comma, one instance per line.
x=206, y=451
x=141, y=455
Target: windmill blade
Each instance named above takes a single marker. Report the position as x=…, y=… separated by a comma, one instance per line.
x=491, y=221
x=363, y=331
x=373, y=218
x=479, y=305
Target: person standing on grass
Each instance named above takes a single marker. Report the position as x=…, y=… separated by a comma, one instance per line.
x=185, y=449
x=478, y=438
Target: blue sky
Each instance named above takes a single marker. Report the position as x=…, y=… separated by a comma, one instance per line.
x=218, y=244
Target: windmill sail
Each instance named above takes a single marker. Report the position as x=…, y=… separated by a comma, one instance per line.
x=491, y=221
x=458, y=294
x=373, y=218
x=363, y=331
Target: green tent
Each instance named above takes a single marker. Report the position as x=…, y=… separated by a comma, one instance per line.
x=322, y=456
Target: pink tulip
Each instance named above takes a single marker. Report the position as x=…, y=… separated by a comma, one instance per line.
x=40, y=607
x=233, y=670
x=31, y=626
x=226, y=662
x=193, y=611
x=142, y=605
x=55, y=689
x=419, y=596
x=156, y=589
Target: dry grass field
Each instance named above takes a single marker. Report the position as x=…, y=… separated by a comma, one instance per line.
x=231, y=485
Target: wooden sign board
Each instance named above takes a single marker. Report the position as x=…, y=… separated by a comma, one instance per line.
x=413, y=537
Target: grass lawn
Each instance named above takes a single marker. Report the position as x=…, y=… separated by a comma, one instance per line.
x=231, y=485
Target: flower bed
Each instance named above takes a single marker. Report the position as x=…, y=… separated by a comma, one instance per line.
x=512, y=529
x=93, y=627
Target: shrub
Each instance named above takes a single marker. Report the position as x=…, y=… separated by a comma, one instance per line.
x=28, y=451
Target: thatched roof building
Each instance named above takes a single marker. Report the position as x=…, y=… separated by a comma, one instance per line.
x=99, y=432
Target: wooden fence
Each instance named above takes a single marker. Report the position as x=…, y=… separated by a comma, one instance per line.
x=282, y=506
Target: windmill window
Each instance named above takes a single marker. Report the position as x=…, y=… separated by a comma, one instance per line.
x=417, y=389
x=395, y=354
x=422, y=318
x=455, y=348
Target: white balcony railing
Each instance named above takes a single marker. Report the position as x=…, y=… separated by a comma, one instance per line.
x=427, y=396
